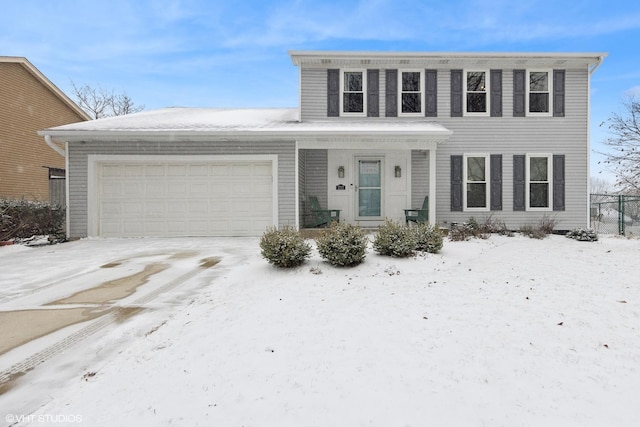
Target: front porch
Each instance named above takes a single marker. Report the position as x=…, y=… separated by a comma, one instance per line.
x=367, y=186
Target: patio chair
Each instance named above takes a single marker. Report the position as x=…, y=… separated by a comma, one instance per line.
x=322, y=216
x=418, y=216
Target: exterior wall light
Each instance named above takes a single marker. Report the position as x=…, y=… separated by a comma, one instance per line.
x=341, y=172
x=398, y=172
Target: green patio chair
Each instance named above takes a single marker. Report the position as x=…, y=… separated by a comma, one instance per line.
x=322, y=216
x=418, y=216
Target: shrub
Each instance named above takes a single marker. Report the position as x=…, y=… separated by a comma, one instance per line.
x=583, y=235
x=284, y=247
x=343, y=244
x=428, y=238
x=467, y=230
x=532, y=232
x=545, y=226
x=495, y=226
x=21, y=219
x=394, y=239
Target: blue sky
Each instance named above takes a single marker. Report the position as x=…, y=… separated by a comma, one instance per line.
x=208, y=53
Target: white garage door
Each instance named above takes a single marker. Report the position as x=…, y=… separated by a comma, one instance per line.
x=184, y=198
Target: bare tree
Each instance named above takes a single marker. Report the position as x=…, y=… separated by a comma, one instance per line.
x=99, y=103
x=599, y=186
x=624, y=146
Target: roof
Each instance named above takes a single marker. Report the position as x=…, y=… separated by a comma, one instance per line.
x=447, y=59
x=257, y=122
x=46, y=82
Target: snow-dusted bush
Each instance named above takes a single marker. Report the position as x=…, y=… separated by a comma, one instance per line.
x=394, y=239
x=284, y=247
x=545, y=227
x=532, y=232
x=583, y=234
x=343, y=244
x=428, y=238
x=22, y=219
x=467, y=230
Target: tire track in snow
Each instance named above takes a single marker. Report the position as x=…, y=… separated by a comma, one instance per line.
x=96, y=325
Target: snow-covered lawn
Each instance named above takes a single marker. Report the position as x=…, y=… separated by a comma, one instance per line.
x=504, y=331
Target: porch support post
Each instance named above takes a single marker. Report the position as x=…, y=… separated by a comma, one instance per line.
x=296, y=186
x=432, y=187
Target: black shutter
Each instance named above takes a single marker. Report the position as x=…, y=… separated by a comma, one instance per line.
x=456, y=93
x=496, y=93
x=391, y=98
x=456, y=183
x=333, y=93
x=558, y=182
x=496, y=182
x=519, y=93
x=431, y=93
x=373, y=93
x=558, y=93
x=519, y=182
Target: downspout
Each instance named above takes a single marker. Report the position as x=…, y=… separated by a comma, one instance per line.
x=63, y=153
x=50, y=143
x=591, y=71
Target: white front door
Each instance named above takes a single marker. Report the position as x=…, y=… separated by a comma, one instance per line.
x=369, y=188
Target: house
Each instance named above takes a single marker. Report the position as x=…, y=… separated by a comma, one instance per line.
x=29, y=102
x=480, y=134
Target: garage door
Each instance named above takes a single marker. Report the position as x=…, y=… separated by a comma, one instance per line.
x=184, y=198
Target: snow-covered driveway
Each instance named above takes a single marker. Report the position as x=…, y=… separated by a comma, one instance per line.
x=505, y=331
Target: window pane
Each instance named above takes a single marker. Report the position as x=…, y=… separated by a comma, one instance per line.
x=477, y=195
x=476, y=102
x=410, y=81
x=353, y=81
x=476, y=81
x=370, y=173
x=539, y=82
x=538, y=169
x=411, y=102
x=539, y=195
x=369, y=202
x=476, y=169
x=353, y=103
x=539, y=102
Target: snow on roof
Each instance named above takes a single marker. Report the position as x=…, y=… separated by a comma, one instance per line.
x=229, y=121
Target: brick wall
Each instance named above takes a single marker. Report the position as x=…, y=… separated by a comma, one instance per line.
x=27, y=105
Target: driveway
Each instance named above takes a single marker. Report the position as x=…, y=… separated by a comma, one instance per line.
x=53, y=297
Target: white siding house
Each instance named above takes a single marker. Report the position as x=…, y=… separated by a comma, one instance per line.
x=479, y=134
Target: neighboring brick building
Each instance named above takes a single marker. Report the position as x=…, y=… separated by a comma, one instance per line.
x=29, y=102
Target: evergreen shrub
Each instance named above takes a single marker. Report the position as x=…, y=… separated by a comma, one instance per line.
x=343, y=244
x=583, y=235
x=395, y=239
x=428, y=238
x=284, y=247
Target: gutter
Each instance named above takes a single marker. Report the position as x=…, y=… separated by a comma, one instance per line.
x=57, y=149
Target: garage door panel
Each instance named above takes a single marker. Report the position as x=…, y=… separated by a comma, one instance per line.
x=176, y=189
x=134, y=171
x=198, y=170
x=155, y=170
x=185, y=199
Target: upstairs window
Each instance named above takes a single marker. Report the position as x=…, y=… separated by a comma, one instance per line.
x=476, y=90
x=353, y=97
x=539, y=92
x=411, y=96
x=476, y=175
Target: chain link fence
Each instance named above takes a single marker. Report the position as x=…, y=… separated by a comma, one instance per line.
x=615, y=214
